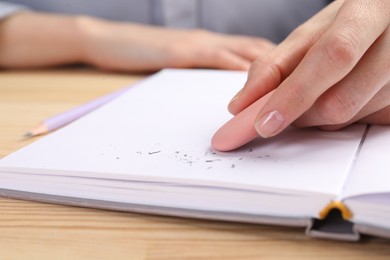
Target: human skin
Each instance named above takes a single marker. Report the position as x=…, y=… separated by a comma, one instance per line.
x=332, y=71
x=31, y=39
x=240, y=129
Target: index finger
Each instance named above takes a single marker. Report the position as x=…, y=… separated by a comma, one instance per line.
x=239, y=130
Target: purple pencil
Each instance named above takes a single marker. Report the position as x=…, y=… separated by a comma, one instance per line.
x=69, y=116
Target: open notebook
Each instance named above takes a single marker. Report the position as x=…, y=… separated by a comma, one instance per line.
x=149, y=151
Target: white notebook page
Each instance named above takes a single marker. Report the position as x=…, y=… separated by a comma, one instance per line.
x=371, y=173
x=161, y=130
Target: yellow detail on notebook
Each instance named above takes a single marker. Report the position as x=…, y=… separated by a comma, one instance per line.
x=345, y=212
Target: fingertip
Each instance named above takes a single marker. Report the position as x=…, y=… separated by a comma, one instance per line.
x=218, y=142
x=240, y=129
x=232, y=109
x=232, y=135
x=234, y=105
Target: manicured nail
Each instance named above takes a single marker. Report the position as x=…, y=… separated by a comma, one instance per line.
x=269, y=124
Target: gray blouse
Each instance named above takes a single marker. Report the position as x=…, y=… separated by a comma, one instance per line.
x=272, y=19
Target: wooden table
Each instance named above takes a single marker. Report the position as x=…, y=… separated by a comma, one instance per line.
x=31, y=230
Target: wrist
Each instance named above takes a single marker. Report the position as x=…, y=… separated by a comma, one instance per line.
x=86, y=29
x=92, y=38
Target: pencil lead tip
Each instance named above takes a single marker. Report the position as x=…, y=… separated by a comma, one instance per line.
x=39, y=130
x=28, y=134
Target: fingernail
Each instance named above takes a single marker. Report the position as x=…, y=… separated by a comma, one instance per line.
x=269, y=124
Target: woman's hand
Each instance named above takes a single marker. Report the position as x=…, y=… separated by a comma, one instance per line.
x=133, y=47
x=332, y=71
x=30, y=39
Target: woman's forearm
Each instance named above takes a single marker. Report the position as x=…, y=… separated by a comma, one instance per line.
x=30, y=39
